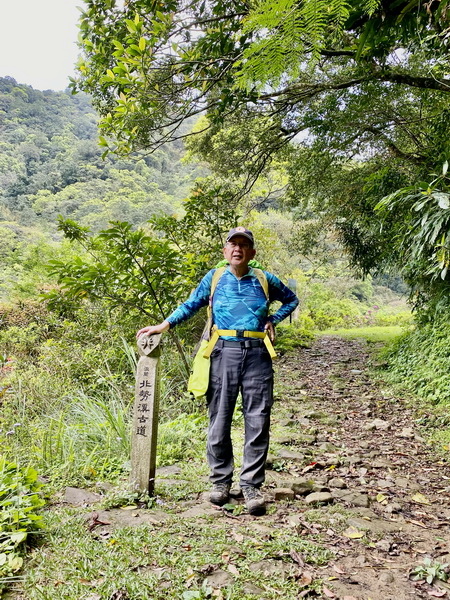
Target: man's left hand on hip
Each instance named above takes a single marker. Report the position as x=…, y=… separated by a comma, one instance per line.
x=270, y=330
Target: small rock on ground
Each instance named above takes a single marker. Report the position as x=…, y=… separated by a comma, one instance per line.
x=283, y=494
x=80, y=497
x=319, y=497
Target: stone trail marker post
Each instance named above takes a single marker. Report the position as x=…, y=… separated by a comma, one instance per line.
x=145, y=415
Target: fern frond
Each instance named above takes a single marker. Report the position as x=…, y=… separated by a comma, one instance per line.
x=289, y=33
x=370, y=6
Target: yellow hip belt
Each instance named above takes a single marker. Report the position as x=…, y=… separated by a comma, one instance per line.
x=216, y=333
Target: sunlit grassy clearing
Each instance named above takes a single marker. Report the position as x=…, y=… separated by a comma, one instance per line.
x=370, y=334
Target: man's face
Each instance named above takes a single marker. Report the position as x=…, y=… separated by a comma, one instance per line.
x=239, y=251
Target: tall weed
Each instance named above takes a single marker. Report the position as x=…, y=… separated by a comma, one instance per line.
x=89, y=440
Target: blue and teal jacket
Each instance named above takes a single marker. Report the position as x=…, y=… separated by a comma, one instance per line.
x=238, y=303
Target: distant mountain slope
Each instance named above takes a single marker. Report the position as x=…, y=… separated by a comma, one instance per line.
x=50, y=164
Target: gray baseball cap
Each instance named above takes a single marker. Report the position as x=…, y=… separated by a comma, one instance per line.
x=240, y=231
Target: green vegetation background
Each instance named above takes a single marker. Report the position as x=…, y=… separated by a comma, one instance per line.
x=67, y=355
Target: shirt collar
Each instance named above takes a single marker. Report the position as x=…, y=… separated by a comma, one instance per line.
x=250, y=272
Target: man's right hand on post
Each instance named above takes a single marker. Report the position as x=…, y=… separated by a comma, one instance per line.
x=152, y=329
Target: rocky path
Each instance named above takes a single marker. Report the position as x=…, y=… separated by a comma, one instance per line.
x=356, y=502
x=368, y=459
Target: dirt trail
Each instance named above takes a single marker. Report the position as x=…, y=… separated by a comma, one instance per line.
x=368, y=454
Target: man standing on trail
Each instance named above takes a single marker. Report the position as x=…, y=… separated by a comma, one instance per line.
x=240, y=362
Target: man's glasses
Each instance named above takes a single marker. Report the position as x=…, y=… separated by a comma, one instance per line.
x=243, y=245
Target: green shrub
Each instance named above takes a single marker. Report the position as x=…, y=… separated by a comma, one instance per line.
x=181, y=439
x=335, y=313
x=387, y=318
x=22, y=342
x=25, y=312
x=420, y=360
x=296, y=335
x=19, y=516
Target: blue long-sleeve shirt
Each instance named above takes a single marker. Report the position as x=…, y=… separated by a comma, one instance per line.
x=238, y=303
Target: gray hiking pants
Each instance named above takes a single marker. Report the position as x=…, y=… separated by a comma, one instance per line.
x=234, y=369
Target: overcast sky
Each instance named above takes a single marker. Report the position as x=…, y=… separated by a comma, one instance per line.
x=38, y=41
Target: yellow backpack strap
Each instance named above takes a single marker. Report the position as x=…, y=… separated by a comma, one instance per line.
x=215, y=280
x=260, y=276
x=212, y=342
x=269, y=346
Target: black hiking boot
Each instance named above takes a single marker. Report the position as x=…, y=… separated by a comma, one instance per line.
x=254, y=500
x=220, y=493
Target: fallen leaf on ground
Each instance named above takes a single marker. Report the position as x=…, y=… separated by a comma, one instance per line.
x=96, y=522
x=306, y=578
x=296, y=557
x=309, y=467
x=420, y=499
x=328, y=593
x=206, y=569
x=119, y=595
x=353, y=533
x=338, y=570
x=418, y=523
x=233, y=569
x=437, y=593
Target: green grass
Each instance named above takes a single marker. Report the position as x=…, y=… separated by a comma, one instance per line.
x=370, y=334
x=161, y=561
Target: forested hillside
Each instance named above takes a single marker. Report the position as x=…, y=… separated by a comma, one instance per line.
x=51, y=164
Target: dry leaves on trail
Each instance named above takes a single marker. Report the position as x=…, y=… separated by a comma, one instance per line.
x=119, y=595
x=94, y=522
x=420, y=499
x=353, y=533
x=306, y=579
x=437, y=593
x=337, y=570
x=296, y=557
